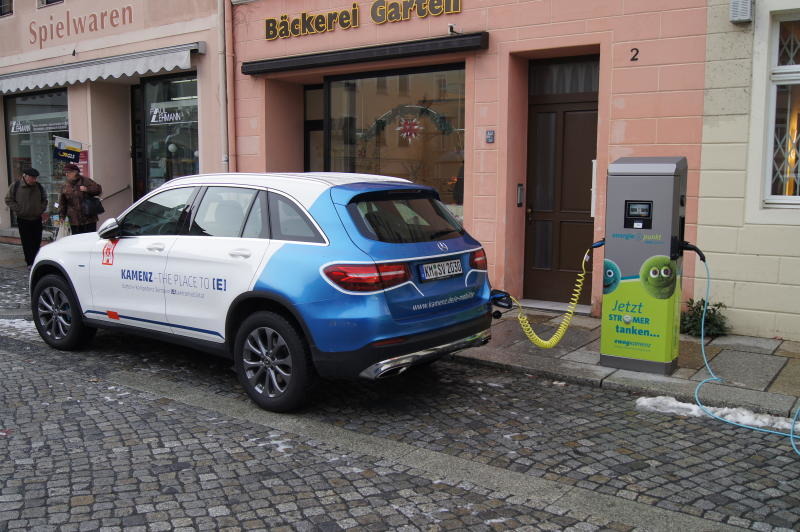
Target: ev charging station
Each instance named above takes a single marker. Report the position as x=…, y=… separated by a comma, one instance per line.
x=645, y=205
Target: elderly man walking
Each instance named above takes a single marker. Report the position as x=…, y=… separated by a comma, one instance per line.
x=28, y=200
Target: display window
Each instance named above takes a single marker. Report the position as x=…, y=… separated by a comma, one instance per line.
x=165, y=130
x=403, y=123
x=32, y=122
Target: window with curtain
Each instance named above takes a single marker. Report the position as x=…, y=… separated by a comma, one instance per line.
x=783, y=181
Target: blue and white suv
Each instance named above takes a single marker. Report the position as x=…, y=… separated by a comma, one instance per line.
x=291, y=275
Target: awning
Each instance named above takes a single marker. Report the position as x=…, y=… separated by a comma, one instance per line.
x=170, y=58
x=465, y=42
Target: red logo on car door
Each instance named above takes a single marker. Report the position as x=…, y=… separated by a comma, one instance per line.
x=108, y=252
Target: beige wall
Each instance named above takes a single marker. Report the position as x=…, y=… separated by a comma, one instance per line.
x=99, y=111
x=753, y=259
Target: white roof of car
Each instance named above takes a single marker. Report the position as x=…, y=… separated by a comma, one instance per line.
x=327, y=179
x=303, y=186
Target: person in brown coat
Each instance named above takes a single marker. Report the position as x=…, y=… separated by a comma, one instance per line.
x=28, y=200
x=72, y=194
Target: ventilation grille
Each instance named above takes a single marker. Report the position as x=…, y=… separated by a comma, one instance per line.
x=741, y=11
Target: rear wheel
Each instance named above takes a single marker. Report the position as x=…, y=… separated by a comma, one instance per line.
x=57, y=314
x=272, y=362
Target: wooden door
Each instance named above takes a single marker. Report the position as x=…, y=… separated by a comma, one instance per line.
x=562, y=142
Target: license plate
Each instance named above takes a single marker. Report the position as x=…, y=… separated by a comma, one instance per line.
x=440, y=270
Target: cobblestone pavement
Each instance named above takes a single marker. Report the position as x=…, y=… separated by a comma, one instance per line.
x=82, y=446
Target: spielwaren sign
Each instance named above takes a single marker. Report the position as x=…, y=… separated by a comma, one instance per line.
x=381, y=12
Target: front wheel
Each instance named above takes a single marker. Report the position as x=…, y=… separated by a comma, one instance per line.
x=57, y=314
x=272, y=362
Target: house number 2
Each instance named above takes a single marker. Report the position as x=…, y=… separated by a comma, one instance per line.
x=634, y=54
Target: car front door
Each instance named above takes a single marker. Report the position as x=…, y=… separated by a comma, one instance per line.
x=127, y=273
x=218, y=259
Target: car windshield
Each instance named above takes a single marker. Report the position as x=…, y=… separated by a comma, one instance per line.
x=403, y=217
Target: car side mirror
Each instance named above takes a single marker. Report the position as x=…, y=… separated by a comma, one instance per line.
x=109, y=229
x=501, y=299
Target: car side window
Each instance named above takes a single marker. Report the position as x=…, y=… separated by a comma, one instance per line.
x=161, y=214
x=288, y=222
x=222, y=211
x=257, y=225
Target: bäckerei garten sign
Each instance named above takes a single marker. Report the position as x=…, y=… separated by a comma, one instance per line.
x=381, y=12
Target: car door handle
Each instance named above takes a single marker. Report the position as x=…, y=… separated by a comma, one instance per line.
x=156, y=246
x=243, y=253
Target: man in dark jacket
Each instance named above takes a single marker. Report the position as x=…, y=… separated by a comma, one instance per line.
x=74, y=190
x=28, y=200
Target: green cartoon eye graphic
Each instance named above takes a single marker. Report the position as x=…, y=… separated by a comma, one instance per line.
x=611, y=277
x=658, y=277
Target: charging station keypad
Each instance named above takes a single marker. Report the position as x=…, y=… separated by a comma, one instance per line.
x=638, y=214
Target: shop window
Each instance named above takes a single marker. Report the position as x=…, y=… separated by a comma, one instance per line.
x=168, y=134
x=784, y=180
x=415, y=129
x=6, y=7
x=32, y=121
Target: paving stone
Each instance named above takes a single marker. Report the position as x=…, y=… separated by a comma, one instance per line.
x=690, y=355
x=786, y=381
x=744, y=369
x=789, y=349
x=750, y=344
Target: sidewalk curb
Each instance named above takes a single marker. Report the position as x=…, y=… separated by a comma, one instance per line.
x=635, y=382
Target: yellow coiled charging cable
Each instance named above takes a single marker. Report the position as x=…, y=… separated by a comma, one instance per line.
x=564, y=325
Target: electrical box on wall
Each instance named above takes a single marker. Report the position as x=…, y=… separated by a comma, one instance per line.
x=741, y=11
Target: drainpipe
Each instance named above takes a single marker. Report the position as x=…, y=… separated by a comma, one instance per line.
x=222, y=6
x=230, y=64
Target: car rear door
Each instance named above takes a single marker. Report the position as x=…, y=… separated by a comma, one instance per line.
x=218, y=259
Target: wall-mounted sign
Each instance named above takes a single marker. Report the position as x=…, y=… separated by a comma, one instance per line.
x=381, y=11
x=69, y=24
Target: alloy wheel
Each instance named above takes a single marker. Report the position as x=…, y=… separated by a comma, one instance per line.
x=267, y=362
x=55, y=312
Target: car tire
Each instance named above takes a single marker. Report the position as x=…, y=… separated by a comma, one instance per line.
x=272, y=362
x=57, y=314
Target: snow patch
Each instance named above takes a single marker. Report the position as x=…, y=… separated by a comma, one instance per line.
x=670, y=405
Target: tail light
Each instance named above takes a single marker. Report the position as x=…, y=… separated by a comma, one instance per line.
x=368, y=277
x=477, y=260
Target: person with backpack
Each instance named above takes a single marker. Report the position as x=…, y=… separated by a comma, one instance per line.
x=27, y=199
x=75, y=189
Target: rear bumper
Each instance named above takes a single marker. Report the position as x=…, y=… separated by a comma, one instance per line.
x=373, y=362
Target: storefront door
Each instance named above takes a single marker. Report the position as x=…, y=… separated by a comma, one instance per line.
x=562, y=143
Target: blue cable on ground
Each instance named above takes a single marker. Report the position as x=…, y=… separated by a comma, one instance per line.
x=791, y=434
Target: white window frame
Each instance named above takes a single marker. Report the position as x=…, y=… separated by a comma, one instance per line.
x=761, y=206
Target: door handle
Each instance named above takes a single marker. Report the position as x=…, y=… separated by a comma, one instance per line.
x=156, y=246
x=243, y=253
x=529, y=214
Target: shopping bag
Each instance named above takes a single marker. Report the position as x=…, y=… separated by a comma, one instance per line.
x=63, y=230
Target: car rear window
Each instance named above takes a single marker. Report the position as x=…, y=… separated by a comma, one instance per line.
x=403, y=217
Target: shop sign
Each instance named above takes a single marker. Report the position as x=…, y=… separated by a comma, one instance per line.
x=381, y=11
x=24, y=127
x=165, y=113
x=69, y=24
x=67, y=150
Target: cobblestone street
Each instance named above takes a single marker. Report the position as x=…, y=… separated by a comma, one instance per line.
x=140, y=435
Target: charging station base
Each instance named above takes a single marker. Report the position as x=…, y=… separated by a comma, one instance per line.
x=632, y=364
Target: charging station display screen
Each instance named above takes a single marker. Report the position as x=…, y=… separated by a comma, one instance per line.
x=639, y=214
x=639, y=210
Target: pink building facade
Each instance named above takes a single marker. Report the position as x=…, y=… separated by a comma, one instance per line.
x=512, y=110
